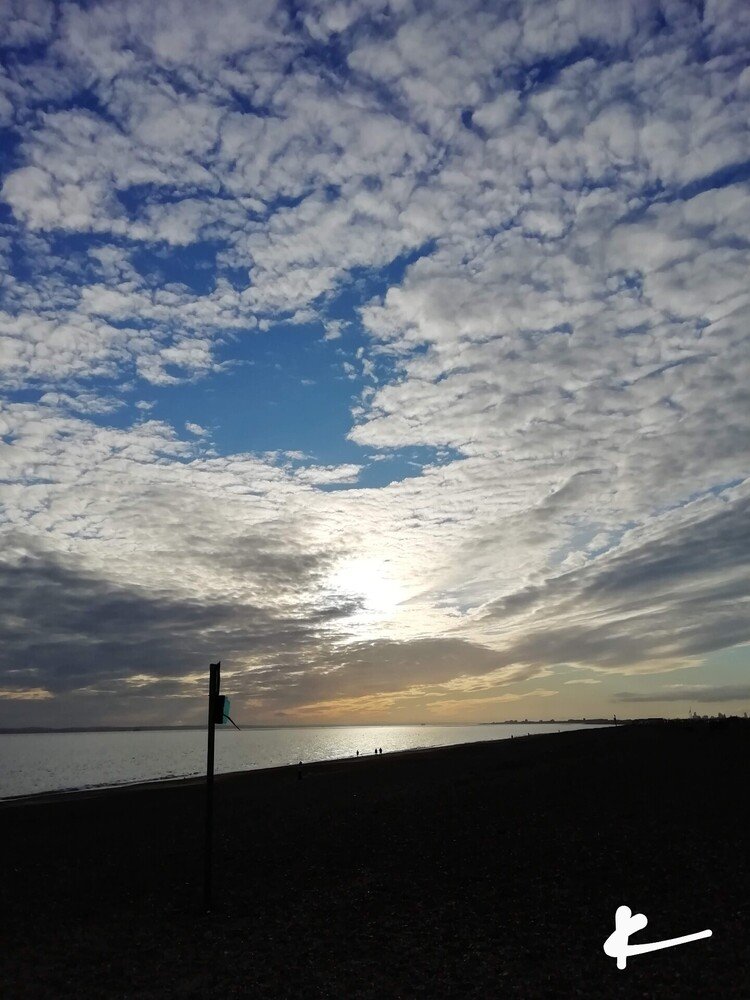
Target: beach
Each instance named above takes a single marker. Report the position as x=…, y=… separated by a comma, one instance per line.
x=486, y=870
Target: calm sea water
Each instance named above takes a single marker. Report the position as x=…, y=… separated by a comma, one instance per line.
x=45, y=762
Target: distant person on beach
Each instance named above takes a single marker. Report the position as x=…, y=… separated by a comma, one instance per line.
x=358, y=753
x=299, y=772
x=381, y=750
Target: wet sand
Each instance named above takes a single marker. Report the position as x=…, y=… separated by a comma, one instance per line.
x=486, y=870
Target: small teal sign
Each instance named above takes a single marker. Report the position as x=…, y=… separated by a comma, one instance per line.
x=221, y=712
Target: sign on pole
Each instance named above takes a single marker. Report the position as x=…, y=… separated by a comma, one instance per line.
x=221, y=711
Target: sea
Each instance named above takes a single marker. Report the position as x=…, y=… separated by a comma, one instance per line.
x=35, y=763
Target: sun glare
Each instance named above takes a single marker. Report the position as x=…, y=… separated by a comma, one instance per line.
x=372, y=581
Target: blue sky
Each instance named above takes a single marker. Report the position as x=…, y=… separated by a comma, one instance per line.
x=394, y=353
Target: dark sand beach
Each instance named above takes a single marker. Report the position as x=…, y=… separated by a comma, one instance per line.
x=486, y=870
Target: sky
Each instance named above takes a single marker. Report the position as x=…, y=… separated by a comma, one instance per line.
x=394, y=354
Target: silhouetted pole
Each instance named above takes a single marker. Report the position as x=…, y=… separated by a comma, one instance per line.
x=213, y=694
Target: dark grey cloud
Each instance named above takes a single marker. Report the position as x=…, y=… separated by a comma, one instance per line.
x=106, y=652
x=69, y=629
x=365, y=669
x=683, y=592
x=727, y=692
x=715, y=545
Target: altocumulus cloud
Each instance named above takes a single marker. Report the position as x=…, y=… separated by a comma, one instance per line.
x=524, y=230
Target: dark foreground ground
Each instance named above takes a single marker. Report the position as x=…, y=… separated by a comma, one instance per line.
x=489, y=870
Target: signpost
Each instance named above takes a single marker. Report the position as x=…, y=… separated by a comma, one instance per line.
x=215, y=704
x=218, y=715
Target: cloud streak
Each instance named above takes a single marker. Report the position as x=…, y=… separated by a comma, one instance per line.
x=722, y=693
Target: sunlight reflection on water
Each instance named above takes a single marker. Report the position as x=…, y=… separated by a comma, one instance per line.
x=43, y=762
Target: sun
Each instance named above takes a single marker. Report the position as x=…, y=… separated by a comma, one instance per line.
x=372, y=581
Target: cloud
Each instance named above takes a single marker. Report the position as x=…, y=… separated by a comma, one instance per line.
x=320, y=475
x=25, y=694
x=448, y=706
x=72, y=629
x=26, y=22
x=83, y=403
x=727, y=692
x=659, y=600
